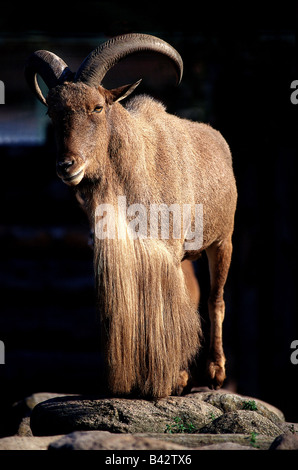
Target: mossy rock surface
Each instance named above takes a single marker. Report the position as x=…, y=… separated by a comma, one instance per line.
x=229, y=402
x=119, y=415
x=202, y=420
x=242, y=422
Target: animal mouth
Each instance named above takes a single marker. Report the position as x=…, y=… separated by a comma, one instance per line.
x=75, y=178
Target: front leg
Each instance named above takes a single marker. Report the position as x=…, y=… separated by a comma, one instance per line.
x=219, y=259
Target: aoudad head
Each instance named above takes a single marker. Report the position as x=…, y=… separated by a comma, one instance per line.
x=78, y=104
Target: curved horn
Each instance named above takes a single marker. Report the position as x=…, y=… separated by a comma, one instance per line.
x=100, y=60
x=52, y=69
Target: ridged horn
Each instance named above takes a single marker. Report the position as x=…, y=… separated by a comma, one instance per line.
x=103, y=58
x=52, y=69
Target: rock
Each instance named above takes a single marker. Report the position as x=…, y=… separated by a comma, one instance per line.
x=39, y=397
x=244, y=422
x=118, y=415
x=206, y=412
x=24, y=427
x=202, y=420
x=228, y=402
x=104, y=440
x=226, y=446
x=286, y=441
x=198, y=441
x=22, y=410
x=26, y=443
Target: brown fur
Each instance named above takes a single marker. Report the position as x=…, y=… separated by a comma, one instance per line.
x=150, y=324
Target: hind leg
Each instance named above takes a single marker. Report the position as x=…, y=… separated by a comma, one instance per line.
x=182, y=382
x=219, y=259
x=191, y=281
x=194, y=292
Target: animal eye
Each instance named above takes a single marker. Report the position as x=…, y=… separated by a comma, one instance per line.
x=97, y=109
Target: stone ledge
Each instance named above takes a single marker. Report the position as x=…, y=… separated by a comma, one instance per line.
x=217, y=419
x=104, y=440
x=63, y=415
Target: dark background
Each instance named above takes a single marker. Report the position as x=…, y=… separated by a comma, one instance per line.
x=239, y=63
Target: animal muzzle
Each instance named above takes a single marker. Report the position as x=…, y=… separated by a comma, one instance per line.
x=71, y=170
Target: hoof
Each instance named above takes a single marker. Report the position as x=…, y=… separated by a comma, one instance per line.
x=216, y=375
x=182, y=382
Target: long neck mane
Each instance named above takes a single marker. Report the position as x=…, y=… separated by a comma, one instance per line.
x=150, y=326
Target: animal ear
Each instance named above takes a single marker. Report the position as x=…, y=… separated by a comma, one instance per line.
x=122, y=92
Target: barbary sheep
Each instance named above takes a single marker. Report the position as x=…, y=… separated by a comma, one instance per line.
x=141, y=156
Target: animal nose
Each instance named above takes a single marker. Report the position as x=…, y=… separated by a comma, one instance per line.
x=65, y=164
